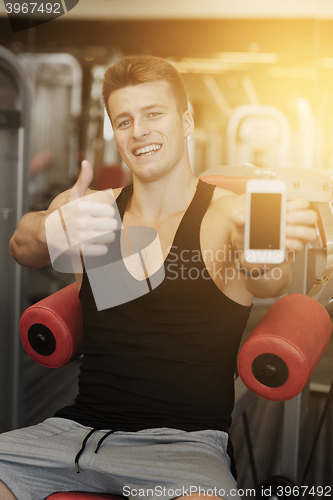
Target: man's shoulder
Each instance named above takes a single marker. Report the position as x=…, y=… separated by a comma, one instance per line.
x=217, y=220
x=115, y=192
x=223, y=199
x=106, y=196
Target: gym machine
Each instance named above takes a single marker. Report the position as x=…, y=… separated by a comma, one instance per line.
x=14, y=163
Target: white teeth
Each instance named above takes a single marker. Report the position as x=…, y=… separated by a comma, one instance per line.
x=147, y=149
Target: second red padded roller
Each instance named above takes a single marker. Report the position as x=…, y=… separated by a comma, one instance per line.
x=51, y=330
x=279, y=357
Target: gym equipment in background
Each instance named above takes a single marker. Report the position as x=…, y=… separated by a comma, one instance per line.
x=14, y=160
x=258, y=134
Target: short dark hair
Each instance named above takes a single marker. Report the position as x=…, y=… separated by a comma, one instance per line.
x=133, y=70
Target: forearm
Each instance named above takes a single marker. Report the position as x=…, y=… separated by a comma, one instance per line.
x=28, y=244
x=272, y=282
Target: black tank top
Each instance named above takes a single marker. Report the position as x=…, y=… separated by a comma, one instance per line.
x=167, y=358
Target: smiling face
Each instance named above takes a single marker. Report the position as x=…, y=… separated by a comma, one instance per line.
x=150, y=133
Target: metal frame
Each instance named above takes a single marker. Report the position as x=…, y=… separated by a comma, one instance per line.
x=12, y=274
x=322, y=291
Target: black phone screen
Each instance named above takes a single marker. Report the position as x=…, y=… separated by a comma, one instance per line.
x=265, y=221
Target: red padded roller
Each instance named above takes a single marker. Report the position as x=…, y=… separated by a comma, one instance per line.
x=51, y=330
x=279, y=357
x=234, y=183
x=82, y=496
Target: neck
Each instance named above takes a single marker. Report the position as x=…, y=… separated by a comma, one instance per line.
x=157, y=199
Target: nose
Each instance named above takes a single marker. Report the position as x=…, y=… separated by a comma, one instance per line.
x=140, y=128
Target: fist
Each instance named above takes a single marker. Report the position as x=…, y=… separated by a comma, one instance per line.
x=300, y=224
x=83, y=224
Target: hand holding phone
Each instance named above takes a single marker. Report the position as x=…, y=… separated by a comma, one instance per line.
x=265, y=221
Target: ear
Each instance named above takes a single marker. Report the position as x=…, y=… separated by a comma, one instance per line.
x=188, y=124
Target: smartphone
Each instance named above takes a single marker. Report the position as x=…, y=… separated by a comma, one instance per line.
x=265, y=221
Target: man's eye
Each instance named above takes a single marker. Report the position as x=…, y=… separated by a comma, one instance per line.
x=155, y=113
x=123, y=124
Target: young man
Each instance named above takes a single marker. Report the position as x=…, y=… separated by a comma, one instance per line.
x=156, y=384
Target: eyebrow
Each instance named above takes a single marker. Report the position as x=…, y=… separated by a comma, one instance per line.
x=145, y=108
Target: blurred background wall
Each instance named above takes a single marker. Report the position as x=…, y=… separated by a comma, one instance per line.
x=261, y=52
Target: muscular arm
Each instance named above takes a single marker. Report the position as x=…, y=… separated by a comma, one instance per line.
x=28, y=244
x=273, y=282
x=223, y=232
x=88, y=220
x=269, y=280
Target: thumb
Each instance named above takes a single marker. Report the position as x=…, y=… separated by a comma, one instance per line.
x=83, y=182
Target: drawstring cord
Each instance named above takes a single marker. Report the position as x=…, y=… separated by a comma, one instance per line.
x=102, y=439
x=84, y=445
x=82, y=450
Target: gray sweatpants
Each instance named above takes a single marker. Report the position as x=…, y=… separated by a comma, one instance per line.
x=150, y=464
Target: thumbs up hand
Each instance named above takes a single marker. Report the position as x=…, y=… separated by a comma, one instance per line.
x=83, y=182
x=83, y=222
